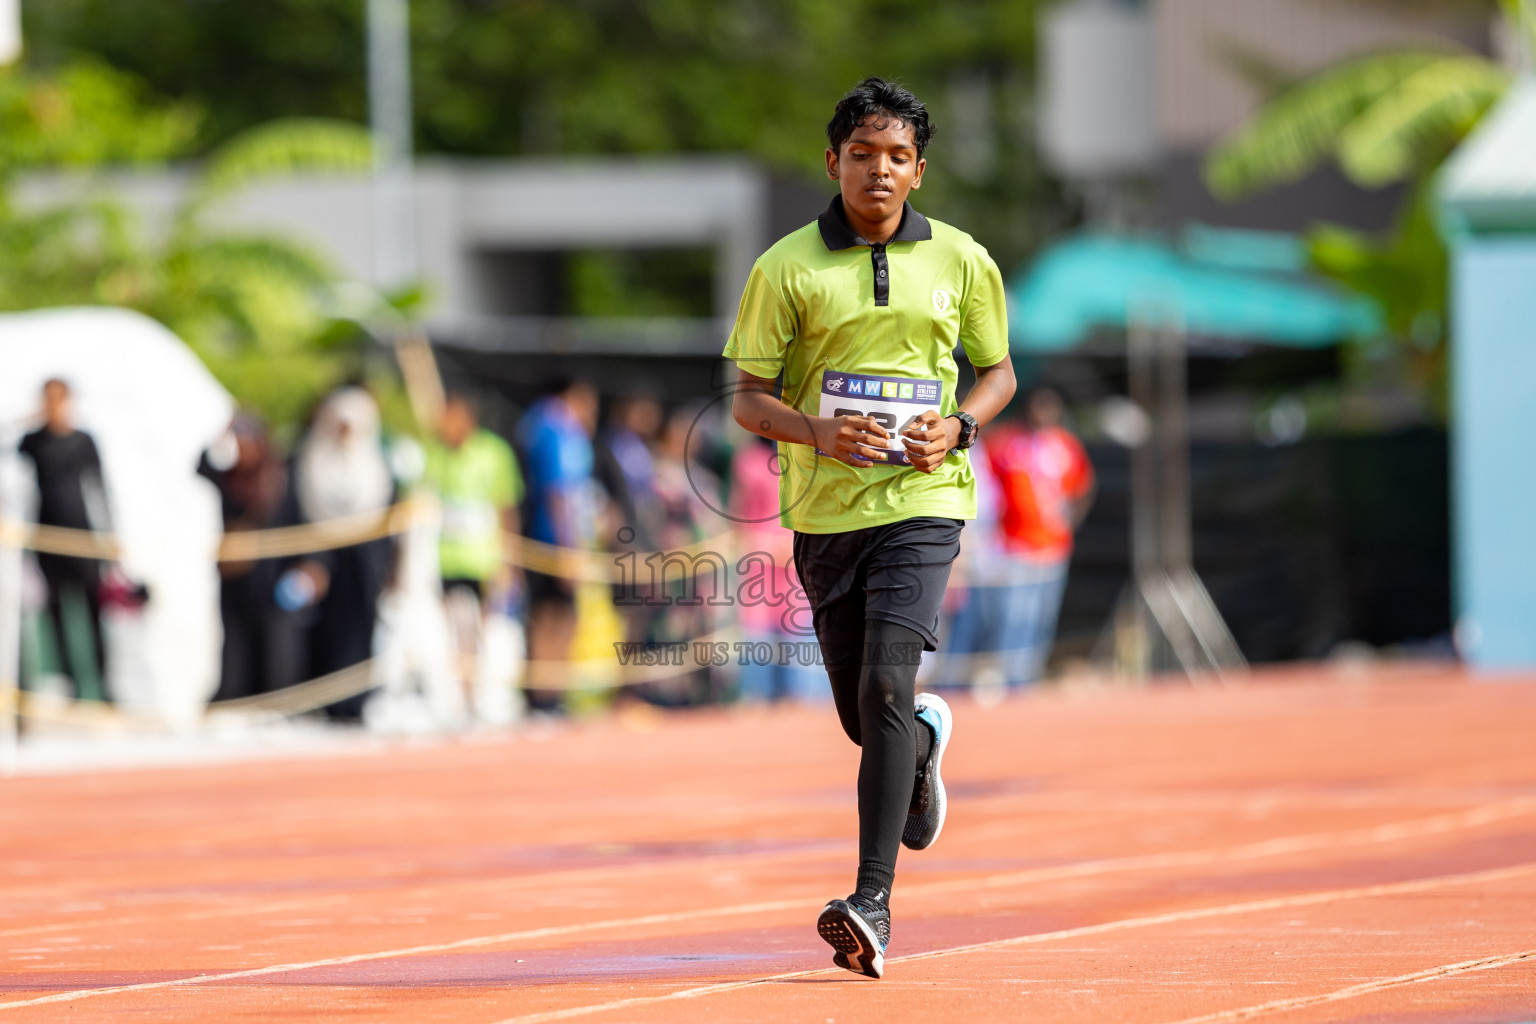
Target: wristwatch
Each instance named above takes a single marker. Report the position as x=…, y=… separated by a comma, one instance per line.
x=969, y=428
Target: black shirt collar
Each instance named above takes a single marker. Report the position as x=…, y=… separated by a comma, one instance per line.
x=836, y=234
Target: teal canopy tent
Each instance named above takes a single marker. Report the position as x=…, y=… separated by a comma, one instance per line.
x=1217, y=284
x=1228, y=285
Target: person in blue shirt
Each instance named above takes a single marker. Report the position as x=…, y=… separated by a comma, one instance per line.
x=555, y=435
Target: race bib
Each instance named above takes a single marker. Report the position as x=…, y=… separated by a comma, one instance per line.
x=469, y=520
x=892, y=402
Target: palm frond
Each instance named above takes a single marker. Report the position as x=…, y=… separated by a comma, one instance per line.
x=253, y=290
x=1299, y=130
x=277, y=259
x=285, y=147
x=1419, y=120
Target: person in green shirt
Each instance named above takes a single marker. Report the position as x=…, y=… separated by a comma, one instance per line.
x=476, y=477
x=844, y=345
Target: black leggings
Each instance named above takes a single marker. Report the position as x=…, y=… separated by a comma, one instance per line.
x=874, y=703
x=875, y=595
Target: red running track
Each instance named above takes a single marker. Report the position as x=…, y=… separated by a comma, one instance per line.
x=1305, y=847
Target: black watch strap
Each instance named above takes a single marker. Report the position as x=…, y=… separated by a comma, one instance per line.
x=969, y=428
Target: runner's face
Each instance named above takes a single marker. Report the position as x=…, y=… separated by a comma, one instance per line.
x=56, y=408
x=458, y=423
x=875, y=169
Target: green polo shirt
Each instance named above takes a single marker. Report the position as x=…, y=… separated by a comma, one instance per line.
x=476, y=482
x=818, y=301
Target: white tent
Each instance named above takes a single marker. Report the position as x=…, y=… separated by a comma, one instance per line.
x=152, y=408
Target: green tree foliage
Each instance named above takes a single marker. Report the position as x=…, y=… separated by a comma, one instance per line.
x=1383, y=118
x=253, y=307
x=502, y=77
x=86, y=114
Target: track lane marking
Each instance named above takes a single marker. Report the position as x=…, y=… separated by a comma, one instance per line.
x=1419, y=828
x=1123, y=924
x=1304, y=899
x=1364, y=988
x=567, y=876
x=435, y=947
x=1438, y=824
x=1381, y=833
x=1102, y=806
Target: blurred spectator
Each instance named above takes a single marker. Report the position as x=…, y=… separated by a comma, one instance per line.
x=975, y=624
x=685, y=488
x=477, y=480
x=770, y=606
x=263, y=643
x=685, y=492
x=626, y=443
x=555, y=435
x=71, y=493
x=627, y=439
x=1047, y=484
x=476, y=476
x=338, y=471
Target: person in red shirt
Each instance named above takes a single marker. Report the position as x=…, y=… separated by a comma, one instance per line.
x=1045, y=487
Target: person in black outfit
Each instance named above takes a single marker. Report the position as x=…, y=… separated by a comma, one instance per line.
x=263, y=646
x=70, y=494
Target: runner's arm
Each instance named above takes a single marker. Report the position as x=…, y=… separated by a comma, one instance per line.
x=757, y=409
x=931, y=438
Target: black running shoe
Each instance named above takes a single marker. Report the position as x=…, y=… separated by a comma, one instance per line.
x=858, y=928
x=925, y=818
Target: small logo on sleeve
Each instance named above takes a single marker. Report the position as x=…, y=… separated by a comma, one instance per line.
x=940, y=300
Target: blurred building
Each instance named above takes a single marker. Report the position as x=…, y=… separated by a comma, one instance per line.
x=1134, y=91
x=495, y=241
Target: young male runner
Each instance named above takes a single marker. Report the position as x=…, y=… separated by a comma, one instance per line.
x=860, y=313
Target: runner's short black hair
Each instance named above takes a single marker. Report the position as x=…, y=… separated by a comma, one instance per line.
x=878, y=102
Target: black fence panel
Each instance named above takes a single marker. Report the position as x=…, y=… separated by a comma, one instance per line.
x=1301, y=546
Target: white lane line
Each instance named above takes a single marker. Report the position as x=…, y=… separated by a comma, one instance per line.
x=1195, y=914
x=1435, y=825
x=436, y=947
x=569, y=876
x=1365, y=988
x=1427, y=826
x=1438, y=824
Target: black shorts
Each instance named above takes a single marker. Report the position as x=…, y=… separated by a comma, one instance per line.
x=555, y=589
x=894, y=573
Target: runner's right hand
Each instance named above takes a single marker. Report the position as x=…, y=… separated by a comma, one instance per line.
x=847, y=438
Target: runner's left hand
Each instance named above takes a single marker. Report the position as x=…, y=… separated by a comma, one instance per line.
x=929, y=439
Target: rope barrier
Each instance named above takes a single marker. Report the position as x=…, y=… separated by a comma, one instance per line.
x=236, y=546
x=311, y=538
x=303, y=697
x=566, y=676
x=577, y=564
x=589, y=674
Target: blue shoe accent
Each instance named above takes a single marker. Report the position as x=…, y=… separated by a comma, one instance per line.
x=925, y=818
